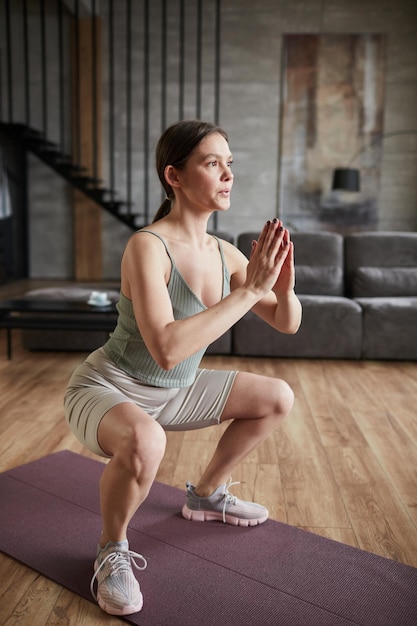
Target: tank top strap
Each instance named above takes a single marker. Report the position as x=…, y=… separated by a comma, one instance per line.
x=219, y=243
x=171, y=258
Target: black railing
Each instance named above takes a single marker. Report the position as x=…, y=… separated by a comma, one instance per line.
x=158, y=59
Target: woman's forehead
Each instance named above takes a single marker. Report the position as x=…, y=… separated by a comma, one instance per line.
x=213, y=144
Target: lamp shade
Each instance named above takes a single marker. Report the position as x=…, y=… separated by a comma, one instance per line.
x=346, y=178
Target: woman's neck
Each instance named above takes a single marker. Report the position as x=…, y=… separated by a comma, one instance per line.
x=184, y=225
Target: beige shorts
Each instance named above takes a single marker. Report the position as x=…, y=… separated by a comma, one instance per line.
x=97, y=385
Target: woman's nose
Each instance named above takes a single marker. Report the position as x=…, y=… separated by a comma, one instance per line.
x=227, y=173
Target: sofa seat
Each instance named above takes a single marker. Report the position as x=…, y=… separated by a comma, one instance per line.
x=331, y=328
x=389, y=328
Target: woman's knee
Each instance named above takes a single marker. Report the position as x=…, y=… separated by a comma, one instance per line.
x=277, y=397
x=256, y=396
x=134, y=441
x=281, y=398
x=143, y=449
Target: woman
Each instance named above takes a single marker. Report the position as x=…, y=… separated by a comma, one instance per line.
x=180, y=290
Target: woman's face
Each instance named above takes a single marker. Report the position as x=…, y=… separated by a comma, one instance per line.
x=206, y=179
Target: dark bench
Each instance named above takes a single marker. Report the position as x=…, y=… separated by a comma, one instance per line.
x=54, y=315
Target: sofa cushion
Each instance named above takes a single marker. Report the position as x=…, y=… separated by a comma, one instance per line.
x=318, y=249
x=380, y=249
x=375, y=282
x=323, y=281
x=331, y=328
x=389, y=328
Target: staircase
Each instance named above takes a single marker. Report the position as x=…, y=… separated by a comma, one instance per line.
x=36, y=143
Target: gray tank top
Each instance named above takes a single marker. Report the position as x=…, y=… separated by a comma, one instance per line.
x=127, y=349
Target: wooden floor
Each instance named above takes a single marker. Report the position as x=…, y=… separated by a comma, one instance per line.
x=344, y=465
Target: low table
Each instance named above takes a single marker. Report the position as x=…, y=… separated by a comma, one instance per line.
x=54, y=315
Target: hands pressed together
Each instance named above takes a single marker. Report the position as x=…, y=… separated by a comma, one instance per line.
x=271, y=263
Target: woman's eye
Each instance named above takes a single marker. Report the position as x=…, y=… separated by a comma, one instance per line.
x=230, y=163
x=213, y=163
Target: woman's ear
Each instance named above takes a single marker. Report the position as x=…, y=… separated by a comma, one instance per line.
x=171, y=176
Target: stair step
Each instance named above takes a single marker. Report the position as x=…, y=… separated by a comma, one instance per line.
x=86, y=181
x=113, y=205
x=42, y=144
x=102, y=194
x=68, y=167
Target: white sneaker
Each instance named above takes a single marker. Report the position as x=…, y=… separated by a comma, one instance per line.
x=118, y=591
x=222, y=505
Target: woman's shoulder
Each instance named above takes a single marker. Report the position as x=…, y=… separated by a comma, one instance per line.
x=144, y=245
x=145, y=237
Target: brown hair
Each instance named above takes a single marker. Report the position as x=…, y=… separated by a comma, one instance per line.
x=174, y=148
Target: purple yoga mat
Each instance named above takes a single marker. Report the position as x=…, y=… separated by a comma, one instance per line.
x=205, y=574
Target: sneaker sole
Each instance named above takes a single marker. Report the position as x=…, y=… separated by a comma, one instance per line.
x=215, y=516
x=126, y=610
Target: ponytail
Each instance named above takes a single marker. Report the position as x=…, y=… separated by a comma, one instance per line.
x=163, y=210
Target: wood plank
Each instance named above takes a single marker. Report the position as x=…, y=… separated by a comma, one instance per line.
x=268, y=490
x=16, y=580
x=378, y=517
x=87, y=238
x=331, y=413
x=310, y=491
x=72, y=609
x=396, y=453
x=87, y=214
x=35, y=603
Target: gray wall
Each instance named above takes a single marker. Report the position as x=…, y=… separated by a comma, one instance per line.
x=251, y=48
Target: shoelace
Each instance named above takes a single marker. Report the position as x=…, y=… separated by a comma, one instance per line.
x=228, y=497
x=119, y=562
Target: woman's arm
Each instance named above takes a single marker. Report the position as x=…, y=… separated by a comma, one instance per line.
x=145, y=273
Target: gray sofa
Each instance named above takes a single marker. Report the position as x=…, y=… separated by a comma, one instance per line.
x=359, y=297
x=381, y=275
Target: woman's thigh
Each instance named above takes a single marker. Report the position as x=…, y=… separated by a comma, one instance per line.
x=256, y=396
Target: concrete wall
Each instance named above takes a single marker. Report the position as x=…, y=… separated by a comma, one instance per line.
x=251, y=70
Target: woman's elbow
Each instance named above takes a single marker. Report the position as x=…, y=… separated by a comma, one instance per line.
x=165, y=360
x=295, y=328
x=290, y=329
x=292, y=325
x=166, y=357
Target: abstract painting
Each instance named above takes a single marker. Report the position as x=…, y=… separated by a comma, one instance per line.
x=332, y=106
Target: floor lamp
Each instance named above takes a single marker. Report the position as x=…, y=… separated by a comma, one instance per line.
x=348, y=178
